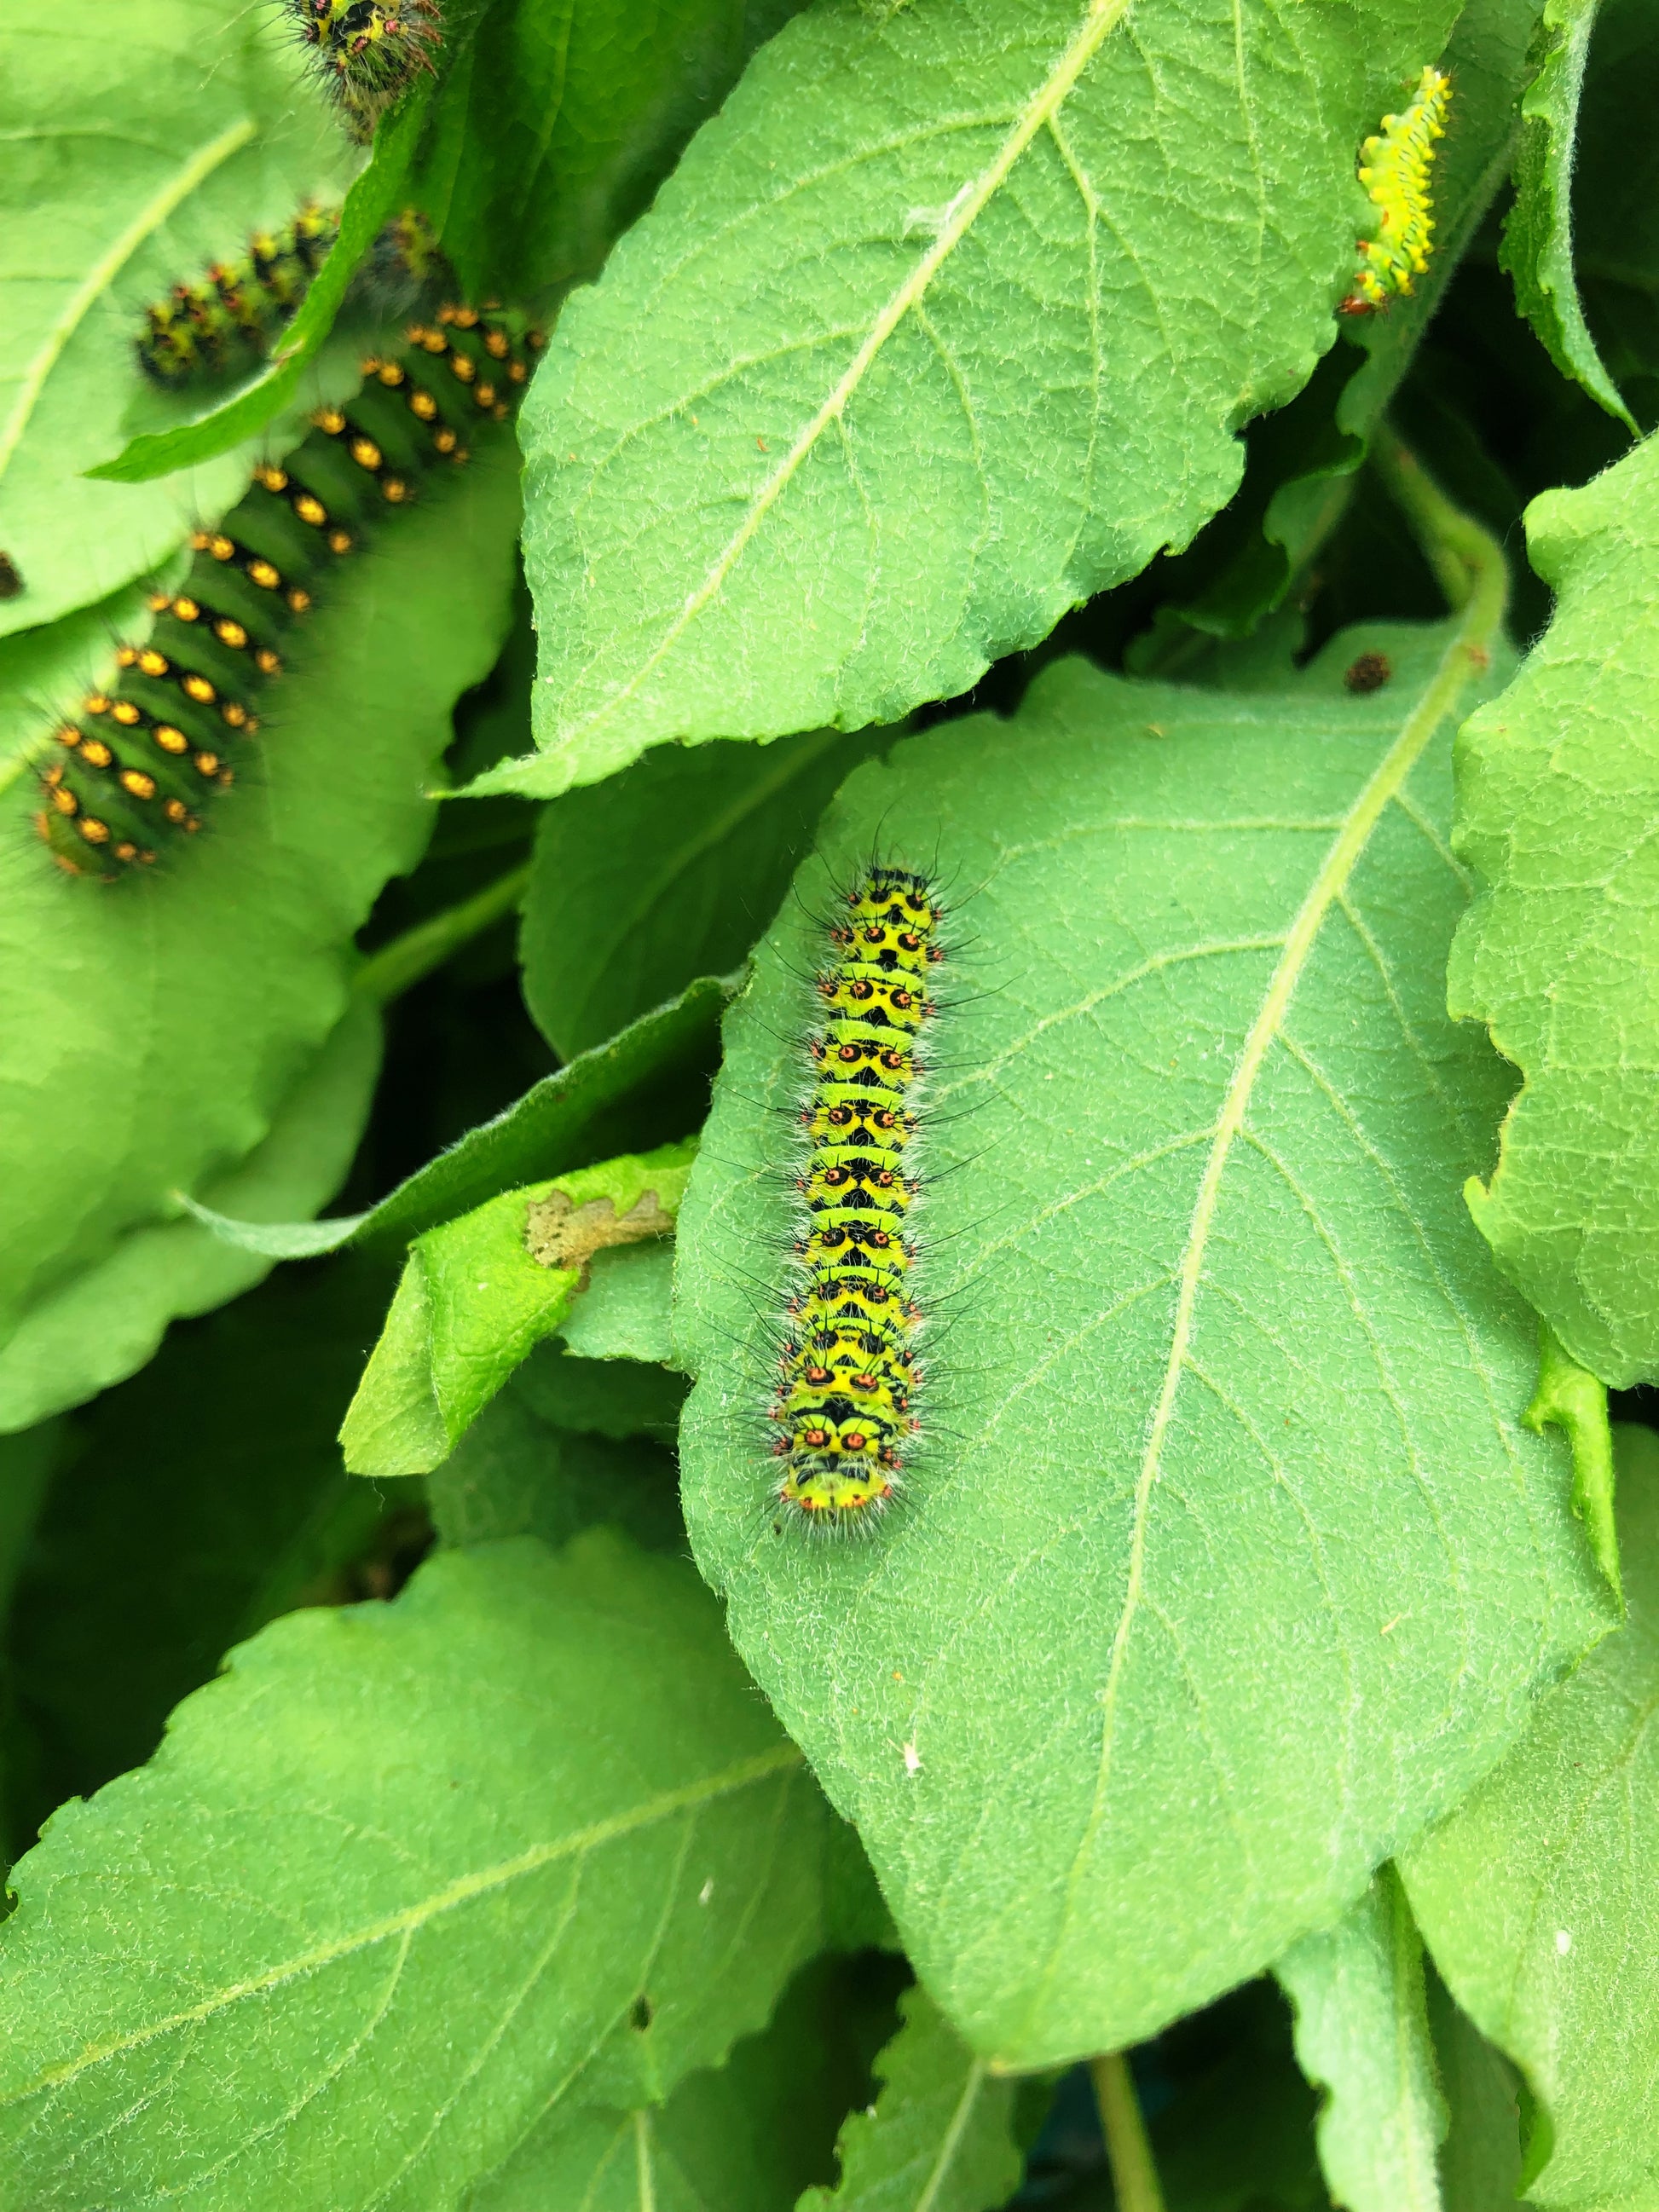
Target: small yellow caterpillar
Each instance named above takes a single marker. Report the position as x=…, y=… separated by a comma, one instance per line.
x=1395, y=166
x=847, y=1377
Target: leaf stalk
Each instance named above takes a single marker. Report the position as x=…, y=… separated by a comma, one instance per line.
x=1135, y=2173
x=396, y=967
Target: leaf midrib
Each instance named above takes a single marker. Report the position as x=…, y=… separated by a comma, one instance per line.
x=1102, y=17
x=413, y=1918
x=1458, y=662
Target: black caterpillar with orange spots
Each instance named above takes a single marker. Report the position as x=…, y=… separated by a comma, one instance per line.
x=140, y=763
x=845, y=1404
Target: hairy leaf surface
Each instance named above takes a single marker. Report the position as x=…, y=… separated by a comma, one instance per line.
x=1538, y=1896
x=409, y=1877
x=1558, y=791
x=1362, y=2034
x=941, y=326
x=1225, y=1562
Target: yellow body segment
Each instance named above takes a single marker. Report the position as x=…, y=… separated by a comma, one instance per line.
x=1395, y=167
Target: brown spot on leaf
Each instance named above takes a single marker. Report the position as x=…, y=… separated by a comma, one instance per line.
x=558, y=1233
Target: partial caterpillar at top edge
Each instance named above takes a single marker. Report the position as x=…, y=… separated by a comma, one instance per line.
x=139, y=763
x=365, y=54
x=1395, y=166
x=845, y=1401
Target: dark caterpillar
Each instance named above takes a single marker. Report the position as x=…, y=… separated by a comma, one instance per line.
x=141, y=762
x=231, y=317
x=847, y=1376
x=365, y=53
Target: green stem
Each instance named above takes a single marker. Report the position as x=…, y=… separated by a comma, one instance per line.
x=1468, y=560
x=391, y=971
x=1134, y=2176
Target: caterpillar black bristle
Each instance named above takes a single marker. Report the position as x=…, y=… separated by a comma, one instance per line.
x=365, y=54
x=138, y=765
x=232, y=314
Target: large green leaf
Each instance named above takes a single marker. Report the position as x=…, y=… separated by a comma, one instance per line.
x=1558, y=788
x=155, y=1028
x=407, y=1878
x=938, y=2138
x=140, y=144
x=942, y=325
x=665, y=873
x=1362, y=2033
x=1538, y=234
x=1229, y=1563
x=1540, y=1896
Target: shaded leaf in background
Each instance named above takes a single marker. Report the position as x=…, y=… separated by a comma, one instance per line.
x=516, y=1473
x=1196, y=1189
x=191, y=1505
x=748, y=2136
x=1537, y=1897
x=669, y=870
x=1615, y=199
x=556, y=124
x=142, y=143
x=1480, y=2156
x=532, y=1811
x=940, y=2135
x=943, y=324
x=1538, y=234
x=644, y=1087
x=1557, y=786
x=191, y=1003
x=1362, y=2034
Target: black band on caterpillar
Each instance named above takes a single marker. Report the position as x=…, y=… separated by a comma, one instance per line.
x=366, y=53
x=139, y=763
x=237, y=309
x=847, y=1376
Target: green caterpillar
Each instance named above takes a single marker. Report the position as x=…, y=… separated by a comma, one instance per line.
x=1395, y=166
x=139, y=763
x=232, y=314
x=848, y=1377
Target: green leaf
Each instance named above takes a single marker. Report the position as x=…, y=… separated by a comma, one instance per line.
x=478, y=1292
x=1568, y=1398
x=666, y=873
x=651, y=1076
x=408, y=1878
x=1362, y=2033
x=603, y=1397
x=941, y=326
x=555, y=126
x=156, y=1028
x=1557, y=781
x=376, y=195
x=517, y=1473
x=1537, y=1897
x=141, y=147
x=747, y=2137
x=100, y=1326
x=1537, y=249
x=939, y=2137
x=1229, y=1562
x=1480, y=2157
x=196, y=1501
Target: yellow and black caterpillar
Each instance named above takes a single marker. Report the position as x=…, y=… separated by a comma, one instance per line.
x=139, y=762
x=845, y=1403
x=232, y=315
